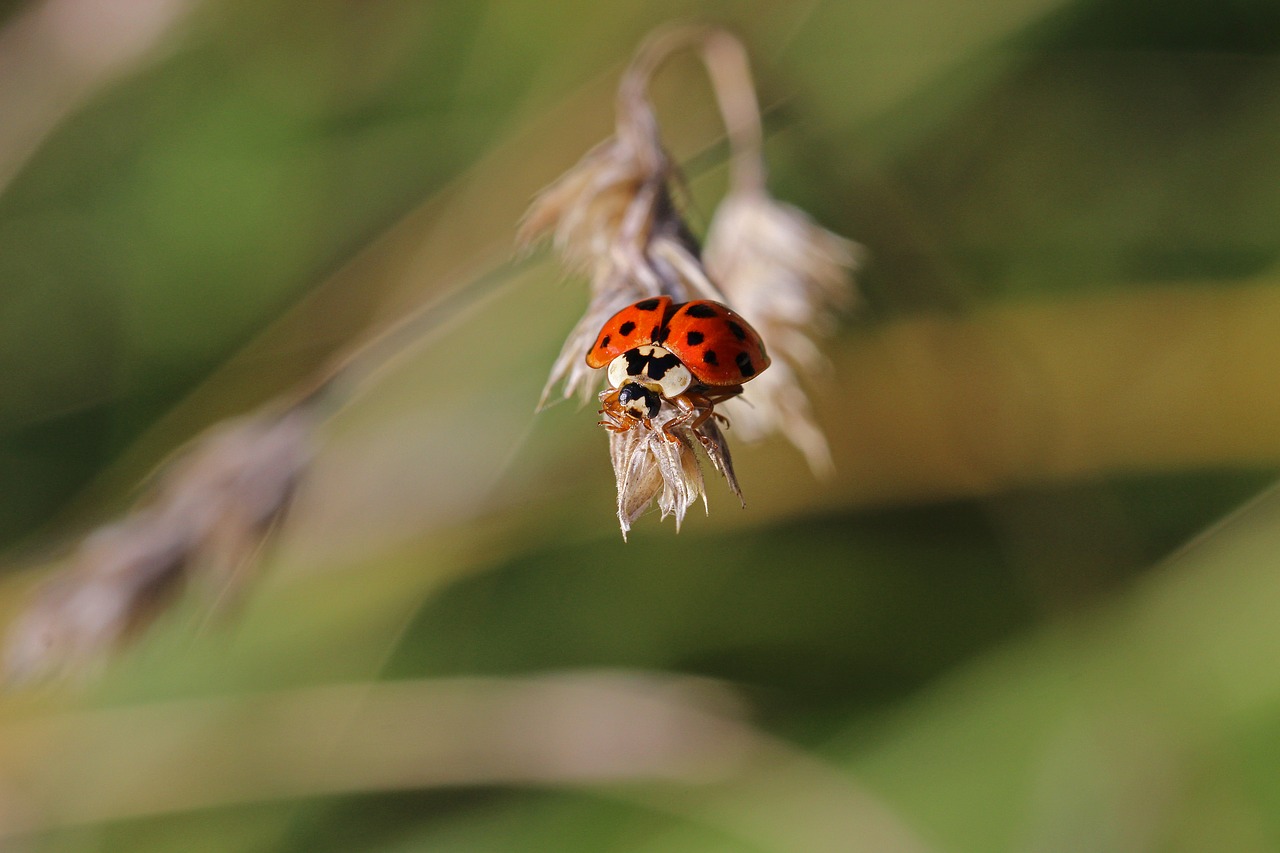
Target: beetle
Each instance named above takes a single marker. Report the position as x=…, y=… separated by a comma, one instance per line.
x=692, y=354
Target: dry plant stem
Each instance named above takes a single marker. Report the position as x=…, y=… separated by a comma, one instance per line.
x=205, y=517
x=613, y=218
x=730, y=73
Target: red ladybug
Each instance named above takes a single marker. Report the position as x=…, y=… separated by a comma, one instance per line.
x=693, y=354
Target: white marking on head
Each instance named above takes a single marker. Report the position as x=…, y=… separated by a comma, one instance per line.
x=653, y=367
x=618, y=371
x=676, y=379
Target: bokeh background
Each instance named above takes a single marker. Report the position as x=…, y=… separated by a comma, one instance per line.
x=1035, y=609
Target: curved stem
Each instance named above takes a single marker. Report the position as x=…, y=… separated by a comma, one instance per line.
x=725, y=58
x=726, y=61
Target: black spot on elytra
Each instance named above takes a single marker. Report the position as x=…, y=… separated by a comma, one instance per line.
x=709, y=356
x=738, y=332
x=627, y=328
x=660, y=335
x=646, y=305
x=700, y=310
x=693, y=338
x=744, y=364
x=604, y=342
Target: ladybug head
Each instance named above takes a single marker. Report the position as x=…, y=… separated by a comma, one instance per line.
x=639, y=401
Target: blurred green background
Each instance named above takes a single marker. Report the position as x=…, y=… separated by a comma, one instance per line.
x=987, y=624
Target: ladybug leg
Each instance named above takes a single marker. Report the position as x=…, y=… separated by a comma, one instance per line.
x=694, y=410
x=696, y=407
x=719, y=395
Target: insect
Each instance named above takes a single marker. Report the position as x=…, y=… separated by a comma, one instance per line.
x=692, y=354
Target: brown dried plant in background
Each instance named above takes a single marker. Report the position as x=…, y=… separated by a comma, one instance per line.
x=614, y=218
x=204, y=520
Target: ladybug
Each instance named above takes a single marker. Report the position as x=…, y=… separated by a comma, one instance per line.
x=692, y=354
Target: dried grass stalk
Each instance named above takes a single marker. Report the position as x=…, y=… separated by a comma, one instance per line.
x=789, y=277
x=206, y=516
x=614, y=218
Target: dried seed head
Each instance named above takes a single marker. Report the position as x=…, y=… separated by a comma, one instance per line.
x=613, y=218
x=789, y=277
x=208, y=514
x=648, y=465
